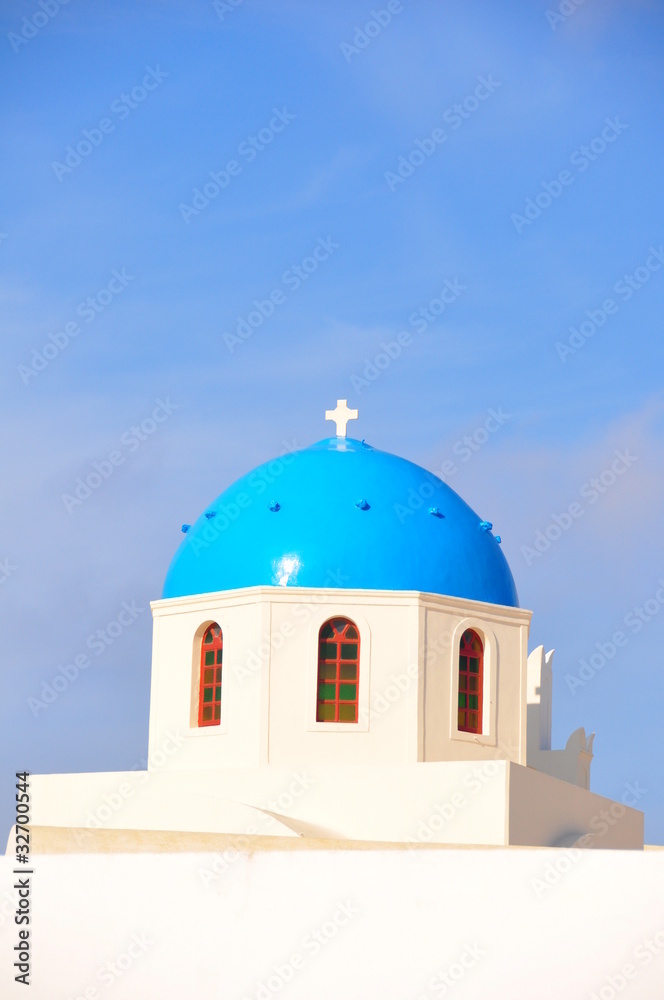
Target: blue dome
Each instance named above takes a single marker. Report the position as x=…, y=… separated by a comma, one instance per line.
x=342, y=514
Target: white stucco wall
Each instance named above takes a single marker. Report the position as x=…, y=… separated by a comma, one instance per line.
x=504, y=924
x=241, y=739
x=504, y=634
x=408, y=672
x=389, y=662
x=453, y=802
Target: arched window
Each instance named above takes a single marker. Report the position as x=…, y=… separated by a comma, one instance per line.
x=209, y=689
x=471, y=680
x=338, y=671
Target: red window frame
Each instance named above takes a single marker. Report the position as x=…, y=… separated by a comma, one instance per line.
x=210, y=676
x=338, y=671
x=471, y=682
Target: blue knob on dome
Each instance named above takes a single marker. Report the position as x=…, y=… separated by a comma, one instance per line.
x=362, y=504
x=210, y=513
x=436, y=512
x=498, y=539
x=274, y=505
x=486, y=525
x=185, y=528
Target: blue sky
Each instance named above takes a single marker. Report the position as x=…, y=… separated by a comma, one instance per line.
x=557, y=121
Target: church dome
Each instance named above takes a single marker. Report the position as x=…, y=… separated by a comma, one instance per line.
x=342, y=514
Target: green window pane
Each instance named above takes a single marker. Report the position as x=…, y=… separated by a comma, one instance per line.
x=325, y=713
x=351, y=632
x=462, y=701
x=347, y=692
x=207, y=694
x=347, y=713
x=348, y=672
x=208, y=637
x=472, y=701
x=217, y=693
x=326, y=692
x=327, y=672
x=474, y=665
x=209, y=657
x=327, y=632
x=348, y=650
x=220, y=654
x=328, y=651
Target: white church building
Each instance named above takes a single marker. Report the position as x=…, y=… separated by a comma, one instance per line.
x=339, y=654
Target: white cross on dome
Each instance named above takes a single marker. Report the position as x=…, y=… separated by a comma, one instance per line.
x=341, y=415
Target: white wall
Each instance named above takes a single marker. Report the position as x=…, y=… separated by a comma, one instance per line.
x=501, y=924
x=241, y=740
x=408, y=672
x=447, y=802
x=504, y=634
x=386, y=731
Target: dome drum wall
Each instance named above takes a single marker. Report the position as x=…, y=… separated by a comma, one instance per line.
x=342, y=514
x=408, y=668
